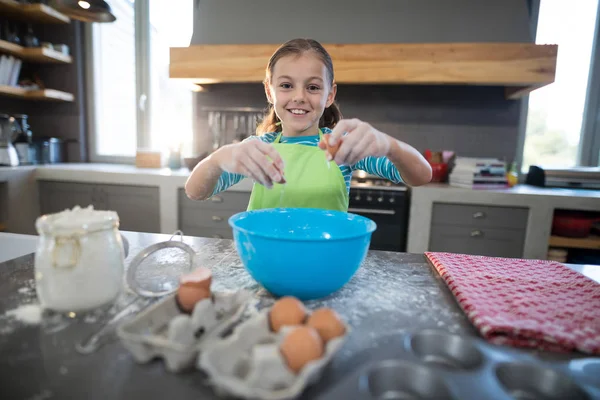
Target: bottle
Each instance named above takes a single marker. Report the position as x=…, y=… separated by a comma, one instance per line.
x=23, y=142
x=512, y=176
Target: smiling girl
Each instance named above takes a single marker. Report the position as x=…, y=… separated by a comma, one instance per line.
x=288, y=159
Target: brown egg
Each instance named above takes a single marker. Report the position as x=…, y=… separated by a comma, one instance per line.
x=331, y=149
x=301, y=346
x=327, y=323
x=287, y=311
x=200, y=278
x=187, y=296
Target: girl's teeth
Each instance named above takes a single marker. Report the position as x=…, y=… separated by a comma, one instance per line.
x=298, y=111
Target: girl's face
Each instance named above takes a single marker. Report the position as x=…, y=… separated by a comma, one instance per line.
x=300, y=91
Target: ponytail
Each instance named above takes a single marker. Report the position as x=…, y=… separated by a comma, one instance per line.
x=269, y=123
x=331, y=116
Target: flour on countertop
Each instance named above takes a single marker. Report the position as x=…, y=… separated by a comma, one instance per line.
x=27, y=313
x=25, y=290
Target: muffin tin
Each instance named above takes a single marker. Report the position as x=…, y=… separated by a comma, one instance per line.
x=248, y=364
x=163, y=331
x=437, y=365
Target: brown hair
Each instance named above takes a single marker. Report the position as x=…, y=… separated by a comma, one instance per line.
x=332, y=114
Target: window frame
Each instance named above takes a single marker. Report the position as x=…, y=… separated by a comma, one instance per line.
x=589, y=140
x=143, y=95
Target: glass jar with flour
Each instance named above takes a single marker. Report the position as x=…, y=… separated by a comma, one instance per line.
x=79, y=261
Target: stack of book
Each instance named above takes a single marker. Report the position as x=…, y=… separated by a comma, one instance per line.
x=479, y=173
x=10, y=67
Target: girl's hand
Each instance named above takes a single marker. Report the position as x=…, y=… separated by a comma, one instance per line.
x=361, y=141
x=249, y=158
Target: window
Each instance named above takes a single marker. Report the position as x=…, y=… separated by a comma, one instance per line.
x=555, y=118
x=133, y=103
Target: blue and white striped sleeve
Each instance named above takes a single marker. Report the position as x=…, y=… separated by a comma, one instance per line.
x=379, y=166
x=228, y=179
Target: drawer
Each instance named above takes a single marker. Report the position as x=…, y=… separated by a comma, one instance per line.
x=485, y=242
x=207, y=218
x=479, y=216
x=235, y=201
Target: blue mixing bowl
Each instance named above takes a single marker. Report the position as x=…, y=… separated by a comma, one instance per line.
x=302, y=252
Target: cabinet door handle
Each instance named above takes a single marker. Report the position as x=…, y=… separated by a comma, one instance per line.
x=216, y=199
x=217, y=218
x=476, y=233
x=479, y=215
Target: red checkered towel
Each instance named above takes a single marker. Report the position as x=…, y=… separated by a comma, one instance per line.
x=524, y=303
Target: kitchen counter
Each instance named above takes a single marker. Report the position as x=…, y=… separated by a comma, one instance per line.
x=392, y=293
x=15, y=245
x=168, y=182
x=541, y=203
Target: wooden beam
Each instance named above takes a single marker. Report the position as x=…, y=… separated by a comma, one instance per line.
x=499, y=64
x=514, y=92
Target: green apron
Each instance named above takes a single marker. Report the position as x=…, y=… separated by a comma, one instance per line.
x=311, y=181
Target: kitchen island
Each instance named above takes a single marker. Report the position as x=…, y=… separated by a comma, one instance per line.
x=392, y=293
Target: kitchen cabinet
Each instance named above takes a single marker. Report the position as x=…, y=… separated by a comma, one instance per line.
x=137, y=206
x=209, y=218
x=495, y=231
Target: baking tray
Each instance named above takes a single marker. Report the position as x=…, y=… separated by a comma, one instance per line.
x=432, y=364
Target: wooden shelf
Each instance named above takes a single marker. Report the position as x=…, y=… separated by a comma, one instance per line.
x=43, y=94
x=10, y=48
x=35, y=54
x=38, y=13
x=590, y=242
x=519, y=67
x=45, y=55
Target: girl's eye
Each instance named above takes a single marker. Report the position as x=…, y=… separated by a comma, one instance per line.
x=286, y=85
x=313, y=88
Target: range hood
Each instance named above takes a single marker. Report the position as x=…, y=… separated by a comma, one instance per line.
x=458, y=42
x=519, y=67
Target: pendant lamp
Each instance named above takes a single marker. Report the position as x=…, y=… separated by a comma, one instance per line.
x=85, y=10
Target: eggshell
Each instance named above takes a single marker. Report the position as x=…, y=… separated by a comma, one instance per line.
x=200, y=278
x=187, y=296
x=300, y=346
x=287, y=311
x=327, y=323
x=331, y=149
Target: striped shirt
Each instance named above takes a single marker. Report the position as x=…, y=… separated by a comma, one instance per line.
x=379, y=166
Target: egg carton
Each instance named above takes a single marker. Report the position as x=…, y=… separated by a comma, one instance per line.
x=163, y=331
x=432, y=364
x=248, y=364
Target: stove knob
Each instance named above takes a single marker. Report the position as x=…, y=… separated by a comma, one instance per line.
x=392, y=200
x=357, y=197
x=369, y=198
x=380, y=199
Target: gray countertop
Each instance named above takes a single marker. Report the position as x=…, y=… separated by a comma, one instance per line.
x=390, y=294
x=541, y=204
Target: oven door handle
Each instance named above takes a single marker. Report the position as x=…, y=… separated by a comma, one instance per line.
x=371, y=211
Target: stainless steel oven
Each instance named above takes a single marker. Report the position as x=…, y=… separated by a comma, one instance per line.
x=388, y=206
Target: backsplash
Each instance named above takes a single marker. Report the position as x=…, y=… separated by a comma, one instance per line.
x=474, y=121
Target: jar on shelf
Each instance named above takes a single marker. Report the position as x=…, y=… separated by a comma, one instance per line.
x=79, y=261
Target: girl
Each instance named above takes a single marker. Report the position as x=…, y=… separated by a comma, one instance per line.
x=289, y=150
